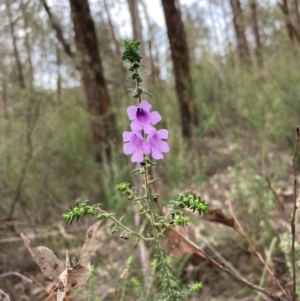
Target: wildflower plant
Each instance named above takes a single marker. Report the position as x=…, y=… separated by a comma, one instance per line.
x=146, y=142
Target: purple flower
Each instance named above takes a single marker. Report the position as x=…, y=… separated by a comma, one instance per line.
x=142, y=118
x=135, y=146
x=156, y=145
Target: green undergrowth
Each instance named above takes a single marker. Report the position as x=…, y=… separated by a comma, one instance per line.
x=243, y=114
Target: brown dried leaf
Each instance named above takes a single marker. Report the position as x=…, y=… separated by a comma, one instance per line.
x=176, y=245
x=62, y=286
x=66, y=277
x=91, y=245
x=49, y=264
x=78, y=275
x=216, y=215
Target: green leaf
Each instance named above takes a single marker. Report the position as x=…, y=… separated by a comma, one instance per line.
x=139, y=198
x=121, y=218
x=152, y=181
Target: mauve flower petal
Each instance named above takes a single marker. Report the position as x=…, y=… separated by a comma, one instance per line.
x=154, y=117
x=139, y=135
x=137, y=155
x=150, y=135
x=127, y=136
x=131, y=112
x=148, y=128
x=163, y=146
x=163, y=134
x=136, y=126
x=156, y=154
x=128, y=148
x=146, y=148
x=145, y=105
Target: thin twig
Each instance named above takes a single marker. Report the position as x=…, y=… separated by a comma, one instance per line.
x=34, y=236
x=38, y=283
x=275, y=194
x=293, y=227
x=29, y=155
x=5, y=295
x=218, y=263
x=239, y=229
x=16, y=274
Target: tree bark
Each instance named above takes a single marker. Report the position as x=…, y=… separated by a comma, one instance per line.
x=98, y=101
x=297, y=14
x=20, y=73
x=291, y=30
x=255, y=29
x=181, y=67
x=239, y=27
x=59, y=33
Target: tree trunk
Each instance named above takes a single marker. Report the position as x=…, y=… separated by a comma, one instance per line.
x=58, y=75
x=57, y=28
x=20, y=74
x=153, y=61
x=255, y=29
x=229, y=44
x=4, y=98
x=27, y=41
x=239, y=27
x=137, y=33
x=103, y=121
x=112, y=31
x=297, y=14
x=291, y=30
x=181, y=67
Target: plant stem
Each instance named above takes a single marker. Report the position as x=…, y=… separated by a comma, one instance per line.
x=161, y=255
x=124, y=227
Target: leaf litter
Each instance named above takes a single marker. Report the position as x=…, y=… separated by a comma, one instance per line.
x=64, y=276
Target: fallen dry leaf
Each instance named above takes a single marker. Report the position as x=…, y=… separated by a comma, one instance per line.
x=49, y=264
x=66, y=278
x=216, y=215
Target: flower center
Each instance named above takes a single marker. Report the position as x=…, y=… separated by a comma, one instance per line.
x=141, y=115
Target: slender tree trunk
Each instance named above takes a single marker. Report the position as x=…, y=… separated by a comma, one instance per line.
x=291, y=30
x=137, y=33
x=297, y=14
x=57, y=28
x=27, y=41
x=255, y=30
x=181, y=67
x=239, y=27
x=4, y=98
x=19, y=68
x=58, y=75
x=214, y=26
x=103, y=121
x=152, y=60
x=229, y=44
x=112, y=30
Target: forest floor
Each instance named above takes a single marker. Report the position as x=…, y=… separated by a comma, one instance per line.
x=225, y=190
